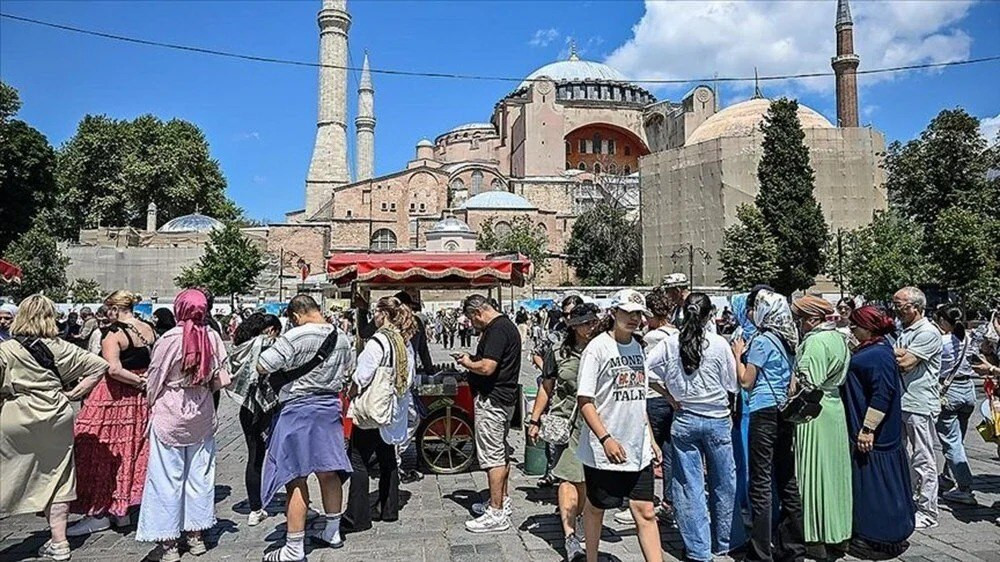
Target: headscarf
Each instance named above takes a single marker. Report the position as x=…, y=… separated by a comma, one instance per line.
x=771, y=313
x=738, y=303
x=875, y=320
x=813, y=307
x=190, y=311
x=9, y=307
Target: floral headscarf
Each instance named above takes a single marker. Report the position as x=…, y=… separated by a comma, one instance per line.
x=738, y=303
x=771, y=312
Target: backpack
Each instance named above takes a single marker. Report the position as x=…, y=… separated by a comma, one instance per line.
x=374, y=405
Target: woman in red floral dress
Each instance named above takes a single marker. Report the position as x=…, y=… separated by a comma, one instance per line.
x=111, y=446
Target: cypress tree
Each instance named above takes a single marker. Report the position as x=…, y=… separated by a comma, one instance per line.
x=786, y=199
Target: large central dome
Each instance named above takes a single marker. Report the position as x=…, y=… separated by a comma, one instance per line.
x=575, y=69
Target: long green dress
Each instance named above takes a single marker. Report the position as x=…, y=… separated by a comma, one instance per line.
x=822, y=450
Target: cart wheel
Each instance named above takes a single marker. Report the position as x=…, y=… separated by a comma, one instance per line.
x=445, y=441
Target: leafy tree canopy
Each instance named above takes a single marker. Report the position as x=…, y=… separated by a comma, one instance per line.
x=749, y=254
x=605, y=247
x=27, y=170
x=43, y=267
x=86, y=290
x=111, y=170
x=229, y=266
x=519, y=235
x=786, y=199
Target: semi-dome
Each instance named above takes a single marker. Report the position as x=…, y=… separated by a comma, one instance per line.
x=450, y=225
x=471, y=127
x=743, y=120
x=575, y=69
x=498, y=199
x=194, y=222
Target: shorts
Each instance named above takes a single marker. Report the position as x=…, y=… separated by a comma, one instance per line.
x=492, y=425
x=606, y=489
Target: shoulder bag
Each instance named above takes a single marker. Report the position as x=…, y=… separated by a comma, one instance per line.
x=803, y=403
x=374, y=404
x=555, y=429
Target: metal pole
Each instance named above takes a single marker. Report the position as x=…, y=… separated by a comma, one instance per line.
x=281, y=276
x=690, y=266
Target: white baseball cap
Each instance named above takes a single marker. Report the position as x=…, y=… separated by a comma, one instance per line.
x=674, y=280
x=630, y=300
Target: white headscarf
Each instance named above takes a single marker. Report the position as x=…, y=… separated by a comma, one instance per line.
x=9, y=307
x=772, y=313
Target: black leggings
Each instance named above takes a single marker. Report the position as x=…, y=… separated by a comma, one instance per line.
x=256, y=451
x=367, y=446
x=772, y=459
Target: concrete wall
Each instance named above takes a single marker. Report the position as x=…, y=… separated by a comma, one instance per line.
x=142, y=270
x=690, y=194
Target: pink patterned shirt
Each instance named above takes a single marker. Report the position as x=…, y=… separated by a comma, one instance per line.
x=183, y=415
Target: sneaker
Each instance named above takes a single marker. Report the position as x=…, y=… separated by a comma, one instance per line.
x=547, y=481
x=493, y=521
x=665, y=514
x=164, y=554
x=624, y=517
x=960, y=496
x=88, y=525
x=924, y=522
x=581, y=535
x=410, y=476
x=573, y=549
x=479, y=508
x=196, y=545
x=54, y=550
x=256, y=517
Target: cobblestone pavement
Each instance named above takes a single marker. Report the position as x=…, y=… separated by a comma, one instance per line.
x=435, y=508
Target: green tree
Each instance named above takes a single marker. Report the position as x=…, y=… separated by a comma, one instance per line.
x=946, y=167
x=43, y=267
x=605, y=246
x=111, y=170
x=749, y=254
x=229, y=266
x=962, y=244
x=27, y=170
x=86, y=290
x=519, y=235
x=786, y=199
x=881, y=257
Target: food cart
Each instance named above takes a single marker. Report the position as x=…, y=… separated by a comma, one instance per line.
x=445, y=443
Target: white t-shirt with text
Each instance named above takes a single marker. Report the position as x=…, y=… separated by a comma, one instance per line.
x=614, y=376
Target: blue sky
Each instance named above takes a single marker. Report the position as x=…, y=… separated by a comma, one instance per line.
x=260, y=118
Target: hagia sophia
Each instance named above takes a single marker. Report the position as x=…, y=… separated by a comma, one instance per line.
x=572, y=133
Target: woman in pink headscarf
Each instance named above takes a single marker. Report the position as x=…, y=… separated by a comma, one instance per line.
x=188, y=363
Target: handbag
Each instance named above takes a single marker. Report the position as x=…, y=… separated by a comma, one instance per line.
x=373, y=406
x=803, y=404
x=555, y=429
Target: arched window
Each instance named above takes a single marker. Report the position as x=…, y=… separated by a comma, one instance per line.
x=383, y=240
x=598, y=144
x=451, y=246
x=502, y=228
x=477, y=182
x=612, y=168
x=583, y=166
x=597, y=167
x=496, y=185
x=457, y=184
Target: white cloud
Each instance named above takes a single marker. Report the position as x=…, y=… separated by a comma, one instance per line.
x=989, y=127
x=695, y=39
x=259, y=180
x=543, y=37
x=583, y=48
x=250, y=135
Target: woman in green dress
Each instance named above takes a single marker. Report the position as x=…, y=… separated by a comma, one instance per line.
x=822, y=453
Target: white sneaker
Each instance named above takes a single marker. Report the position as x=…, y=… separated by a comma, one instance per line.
x=87, y=526
x=925, y=522
x=479, y=508
x=54, y=550
x=573, y=549
x=624, y=517
x=493, y=521
x=256, y=517
x=959, y=496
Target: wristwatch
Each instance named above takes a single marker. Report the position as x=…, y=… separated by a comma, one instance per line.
x=865, y=430
x=605, y=438
x=535, y=422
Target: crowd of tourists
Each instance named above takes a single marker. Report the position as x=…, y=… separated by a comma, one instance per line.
x=782, y=429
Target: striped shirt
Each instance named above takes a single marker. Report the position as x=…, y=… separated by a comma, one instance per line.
x=299, y=345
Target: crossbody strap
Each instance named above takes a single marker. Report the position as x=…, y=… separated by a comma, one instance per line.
x=784, y=356
x=954, y=368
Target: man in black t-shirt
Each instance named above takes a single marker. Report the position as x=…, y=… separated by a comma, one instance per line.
x=493, y=376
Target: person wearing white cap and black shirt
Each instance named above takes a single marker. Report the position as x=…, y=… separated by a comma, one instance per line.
x=617, y=448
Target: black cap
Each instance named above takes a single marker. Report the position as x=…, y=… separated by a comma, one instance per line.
x=582, y=313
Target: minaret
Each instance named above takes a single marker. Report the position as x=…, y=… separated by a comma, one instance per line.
x=328, y=168
x=365, y=125
x=845, y=66
x=151, y=217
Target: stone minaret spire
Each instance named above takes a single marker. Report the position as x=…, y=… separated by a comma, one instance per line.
x=328, y=168
x=365, y=125
x=845, y=66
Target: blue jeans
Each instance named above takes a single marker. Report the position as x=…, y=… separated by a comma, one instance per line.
x=694, y=438
x=951, y=426
x=660, y=415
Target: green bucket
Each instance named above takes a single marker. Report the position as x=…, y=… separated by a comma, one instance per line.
x=534, y=453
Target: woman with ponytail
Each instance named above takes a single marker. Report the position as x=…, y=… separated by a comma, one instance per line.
x=699, y=371
x=389, y=347
x=111, y=448
x=189, y=362
x=959, y=391
x=883, y=511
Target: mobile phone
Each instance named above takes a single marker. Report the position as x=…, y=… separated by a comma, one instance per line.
x=456, y=355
